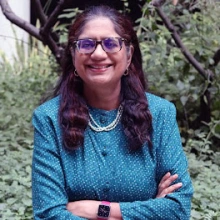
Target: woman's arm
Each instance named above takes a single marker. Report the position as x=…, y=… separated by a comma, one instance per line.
x=48, y=192
x=170, y=157
x=88, y=208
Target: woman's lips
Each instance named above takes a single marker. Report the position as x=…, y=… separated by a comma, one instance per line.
x=99, y=67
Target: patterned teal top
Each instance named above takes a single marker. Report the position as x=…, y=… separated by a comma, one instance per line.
x=105, y=169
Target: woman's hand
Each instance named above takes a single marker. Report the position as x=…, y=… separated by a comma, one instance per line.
x=84, y=208
x=165, y=186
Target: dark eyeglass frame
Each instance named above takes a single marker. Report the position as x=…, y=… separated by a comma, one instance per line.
x=120, y=41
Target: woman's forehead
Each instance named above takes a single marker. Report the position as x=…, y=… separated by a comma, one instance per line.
x=98, y=26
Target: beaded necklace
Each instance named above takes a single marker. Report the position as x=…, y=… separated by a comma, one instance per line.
x=94, y=126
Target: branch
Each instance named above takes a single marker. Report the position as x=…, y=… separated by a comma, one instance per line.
x=45, y=37
x=9, y=14
x=46, y=32
x=216, y=57
x=40, y=12
x=158, y=3
x=53, y=17
x=207, y=74
x=43, y=17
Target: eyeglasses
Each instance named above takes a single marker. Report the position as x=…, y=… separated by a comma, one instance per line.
x=109, y=45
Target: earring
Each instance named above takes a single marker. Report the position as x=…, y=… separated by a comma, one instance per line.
x=75, y=73
x=126, y=72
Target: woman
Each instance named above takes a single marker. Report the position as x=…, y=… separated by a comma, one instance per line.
x=103, y=148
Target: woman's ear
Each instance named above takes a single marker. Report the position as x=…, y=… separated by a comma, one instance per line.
x=72, y=53
x=130, y=52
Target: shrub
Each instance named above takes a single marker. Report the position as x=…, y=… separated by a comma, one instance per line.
x=22, y=85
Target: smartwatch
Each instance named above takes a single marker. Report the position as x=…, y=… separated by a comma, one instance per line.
x=103, y=210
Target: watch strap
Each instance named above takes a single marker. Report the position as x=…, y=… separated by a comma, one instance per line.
x=105, y=203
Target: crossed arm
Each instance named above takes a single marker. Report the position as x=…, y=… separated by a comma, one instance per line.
x=88, y=208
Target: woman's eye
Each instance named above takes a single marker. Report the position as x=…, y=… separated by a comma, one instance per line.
x=111, y=43
x=86, y=44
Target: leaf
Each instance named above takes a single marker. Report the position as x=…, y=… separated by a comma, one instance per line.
x=183, y=100
x=11, y=201
x=27, y=202
x=180, y=85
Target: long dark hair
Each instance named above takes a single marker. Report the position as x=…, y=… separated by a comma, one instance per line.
x=73, y=111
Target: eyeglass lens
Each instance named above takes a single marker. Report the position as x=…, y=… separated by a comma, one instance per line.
x=110, y=45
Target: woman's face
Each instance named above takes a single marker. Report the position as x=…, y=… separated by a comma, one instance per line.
x=101, y=69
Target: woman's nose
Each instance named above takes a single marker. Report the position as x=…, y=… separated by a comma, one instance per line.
x=99, y=52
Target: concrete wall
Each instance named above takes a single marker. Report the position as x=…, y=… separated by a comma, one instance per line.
x=7, y=35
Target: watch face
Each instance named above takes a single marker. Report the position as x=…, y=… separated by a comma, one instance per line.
x=103, y=211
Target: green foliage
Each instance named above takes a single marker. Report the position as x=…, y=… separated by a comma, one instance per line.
x=62, y=28
x=22, y=85
x=169, y=73
x=204, y=167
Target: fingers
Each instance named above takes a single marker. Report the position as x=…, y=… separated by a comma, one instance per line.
x=167, y=180
x=165, y=177
x=169, y=190
x=165, y=186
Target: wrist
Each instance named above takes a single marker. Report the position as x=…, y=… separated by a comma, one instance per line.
x=103, y=212
x=84, y=208
x=115, y=211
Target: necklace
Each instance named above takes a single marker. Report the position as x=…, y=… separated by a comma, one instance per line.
x=94, y=126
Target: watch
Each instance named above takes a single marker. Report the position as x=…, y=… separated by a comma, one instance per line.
x=103, y=210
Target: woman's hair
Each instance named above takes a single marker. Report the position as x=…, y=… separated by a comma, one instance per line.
x=73, y=111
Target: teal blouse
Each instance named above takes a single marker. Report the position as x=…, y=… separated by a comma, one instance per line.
x=105, y=169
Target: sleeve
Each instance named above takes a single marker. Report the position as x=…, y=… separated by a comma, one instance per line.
x=48, y=181
x=170, y=158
